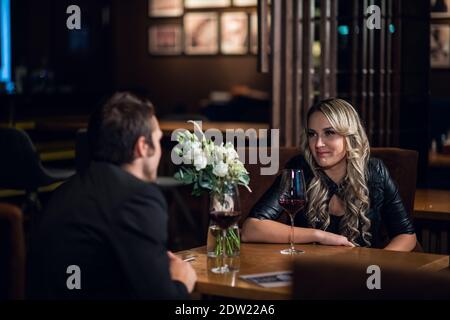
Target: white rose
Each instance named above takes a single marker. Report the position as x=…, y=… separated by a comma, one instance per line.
x=218, y=153
x=231, y=154
x=187, y=156
x=220, y=169
x=196, y=145
x=233, y=168
x=189, y=150
x=209, y=152
x=200, y=159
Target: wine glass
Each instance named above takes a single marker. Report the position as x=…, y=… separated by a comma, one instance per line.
x=292, y=199
x=224, y=211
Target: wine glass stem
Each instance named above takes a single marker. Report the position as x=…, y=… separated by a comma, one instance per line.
x=292, y=232
x=224, y=235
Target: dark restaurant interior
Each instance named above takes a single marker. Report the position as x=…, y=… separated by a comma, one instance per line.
x=389, y=58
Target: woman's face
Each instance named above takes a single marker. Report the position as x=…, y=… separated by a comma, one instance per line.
x=325, y=144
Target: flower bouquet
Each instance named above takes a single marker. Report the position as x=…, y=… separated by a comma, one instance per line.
x=215, y=169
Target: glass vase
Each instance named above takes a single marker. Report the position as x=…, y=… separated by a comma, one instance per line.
x=223, y=243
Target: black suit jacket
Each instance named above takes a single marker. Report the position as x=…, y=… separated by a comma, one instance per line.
x=111, y=225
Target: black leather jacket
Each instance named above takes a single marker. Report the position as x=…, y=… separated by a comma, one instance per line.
x=386, y=211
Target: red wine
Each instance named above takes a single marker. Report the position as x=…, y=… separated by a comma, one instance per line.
x=225, y=219
x=292, y=205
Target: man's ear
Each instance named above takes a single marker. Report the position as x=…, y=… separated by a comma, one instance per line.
x=140, y=147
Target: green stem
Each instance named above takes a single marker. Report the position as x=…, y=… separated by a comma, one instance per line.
x=232, y=242
x=218, y=245
x=230, y=249
x=234, y=237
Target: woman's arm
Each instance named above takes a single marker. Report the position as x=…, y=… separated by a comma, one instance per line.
x=402, y=242
x=269, y=231
x=256, y=230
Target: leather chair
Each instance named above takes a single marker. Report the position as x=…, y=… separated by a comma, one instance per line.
x=258, y=183
x=21, y=168
x=12, y=253
x=402, y=166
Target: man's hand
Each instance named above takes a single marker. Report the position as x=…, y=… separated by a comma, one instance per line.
x=182, y=271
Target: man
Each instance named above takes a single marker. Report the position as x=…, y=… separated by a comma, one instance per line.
x=103, y=233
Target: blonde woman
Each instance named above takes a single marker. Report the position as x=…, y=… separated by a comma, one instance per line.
x=350, y=195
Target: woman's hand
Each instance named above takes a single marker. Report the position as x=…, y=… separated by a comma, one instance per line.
x=331, y=239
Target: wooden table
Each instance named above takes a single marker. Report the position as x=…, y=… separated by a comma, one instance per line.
x=432, y=204
x=258, y=258
x=432, y=214
x=438, y=160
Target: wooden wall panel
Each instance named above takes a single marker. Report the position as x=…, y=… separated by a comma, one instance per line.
x=373, y=78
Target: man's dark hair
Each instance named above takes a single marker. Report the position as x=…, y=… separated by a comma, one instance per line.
x=115, y=127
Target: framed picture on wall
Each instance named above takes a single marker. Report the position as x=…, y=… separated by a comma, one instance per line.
x=164, y=39
x=245, y=3
x=440, y=46
x=165, y=8
x=206, y=3
x=201, y=33
x=440, y=8
x=234, y=33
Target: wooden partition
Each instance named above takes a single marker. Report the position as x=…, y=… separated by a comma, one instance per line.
x=382, y=71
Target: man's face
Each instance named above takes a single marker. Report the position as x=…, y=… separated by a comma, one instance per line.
x=151, y=161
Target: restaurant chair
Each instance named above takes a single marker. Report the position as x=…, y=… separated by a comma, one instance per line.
x=402, y=166
x=258, y=183
x=323, y=278
x=21, y=168
x=12, y=253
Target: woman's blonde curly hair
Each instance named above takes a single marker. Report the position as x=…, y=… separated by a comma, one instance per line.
x=345, y=121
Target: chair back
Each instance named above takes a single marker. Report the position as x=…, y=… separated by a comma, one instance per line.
x=20, y=166
x=260, y=183
x=12, y=253
x=402, y=166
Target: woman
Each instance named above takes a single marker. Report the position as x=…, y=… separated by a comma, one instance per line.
x=350, y=195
